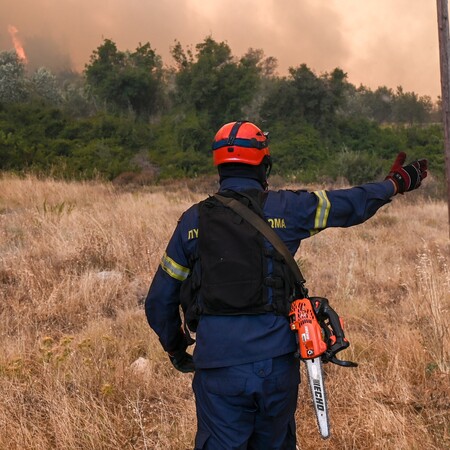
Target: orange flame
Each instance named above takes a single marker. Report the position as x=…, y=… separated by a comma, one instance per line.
x=12, y=30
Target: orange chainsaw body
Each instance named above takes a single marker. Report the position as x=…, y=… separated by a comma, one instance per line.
x=310, y=337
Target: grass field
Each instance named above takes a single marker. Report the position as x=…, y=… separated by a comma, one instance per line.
x=76, y=260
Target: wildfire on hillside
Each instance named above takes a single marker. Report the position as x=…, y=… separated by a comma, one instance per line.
x=12, y=30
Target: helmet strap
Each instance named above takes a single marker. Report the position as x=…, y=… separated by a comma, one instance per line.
x=234, y=131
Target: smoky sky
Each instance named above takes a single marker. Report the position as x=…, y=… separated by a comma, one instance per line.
x=376, y=42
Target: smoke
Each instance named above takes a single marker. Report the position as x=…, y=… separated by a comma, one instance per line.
x=394, y=43
x=377, y=42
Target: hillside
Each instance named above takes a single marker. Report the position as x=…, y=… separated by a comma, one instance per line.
x=130, y=118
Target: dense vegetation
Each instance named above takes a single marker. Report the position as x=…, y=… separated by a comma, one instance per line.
x=131, y=117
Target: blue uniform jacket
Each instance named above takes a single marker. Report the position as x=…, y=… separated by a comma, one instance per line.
x=223, y=341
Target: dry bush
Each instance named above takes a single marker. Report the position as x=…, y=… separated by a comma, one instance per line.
x=80, y=369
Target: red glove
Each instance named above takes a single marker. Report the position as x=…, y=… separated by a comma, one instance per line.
x=409, y=177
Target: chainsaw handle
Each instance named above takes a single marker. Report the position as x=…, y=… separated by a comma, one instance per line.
x=324, y=312
x=333, y=331
x=339, y=362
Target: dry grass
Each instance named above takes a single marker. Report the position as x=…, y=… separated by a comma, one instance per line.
x=75, y=264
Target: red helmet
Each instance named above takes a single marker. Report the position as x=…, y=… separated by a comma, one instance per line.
x=240, y=142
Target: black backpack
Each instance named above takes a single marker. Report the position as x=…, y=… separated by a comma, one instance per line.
x=229, y=272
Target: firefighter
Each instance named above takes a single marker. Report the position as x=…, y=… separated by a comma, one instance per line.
x=246, y=376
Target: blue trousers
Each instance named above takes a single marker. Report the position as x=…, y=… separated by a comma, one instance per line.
x=247, y=407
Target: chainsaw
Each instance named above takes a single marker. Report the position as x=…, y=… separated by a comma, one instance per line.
x=320, y=335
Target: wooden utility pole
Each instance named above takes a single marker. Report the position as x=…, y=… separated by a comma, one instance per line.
x=444, y=51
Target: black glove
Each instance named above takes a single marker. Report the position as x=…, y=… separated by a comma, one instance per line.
x=182, y=361
x=406, y=178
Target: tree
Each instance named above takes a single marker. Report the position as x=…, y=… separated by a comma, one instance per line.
x=386, y=106
x=44, y=85
x=126, y=81
x=307, y=97
x=410, y=108
x=380, y=104
x=76, y=99
x=213, y=82
x=13, y=87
